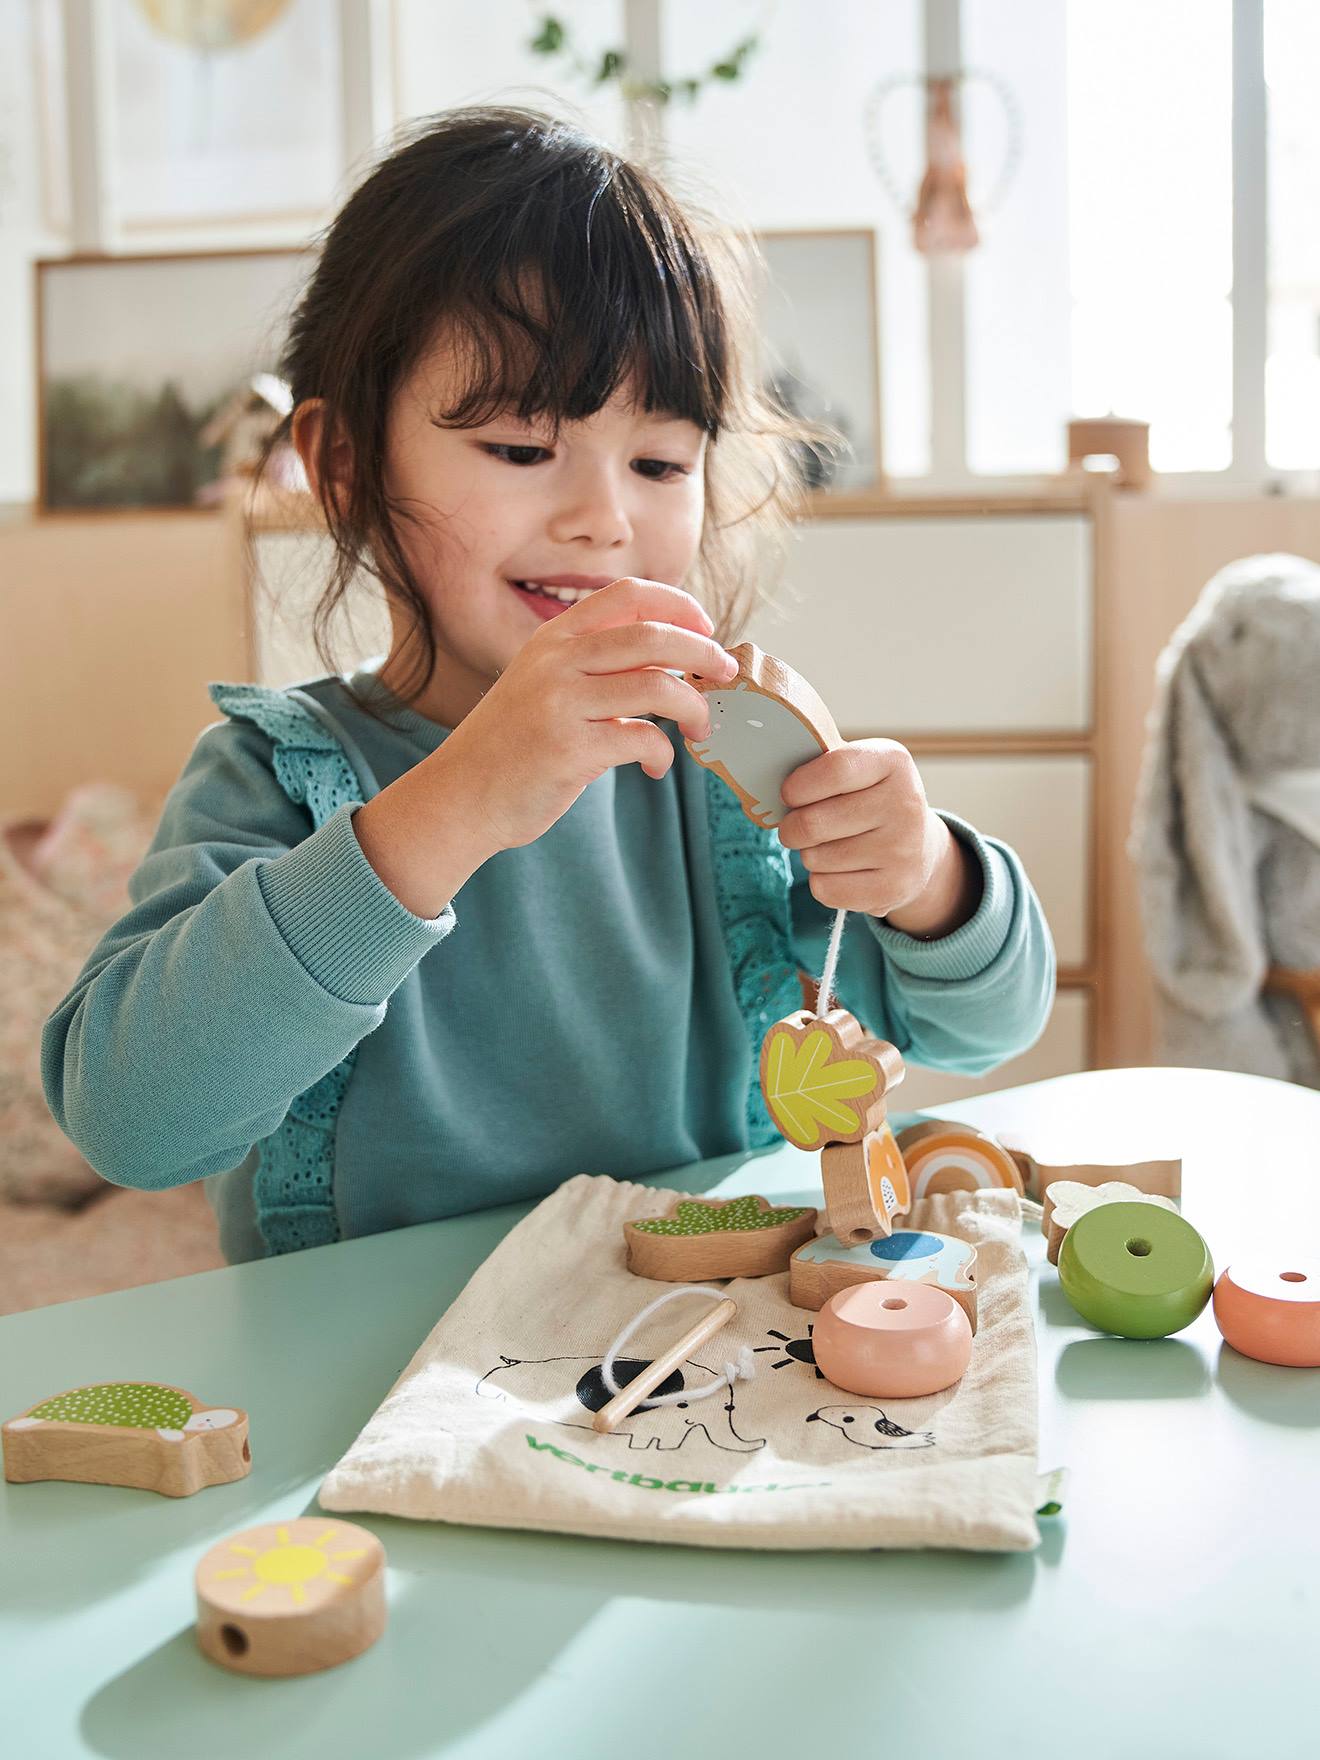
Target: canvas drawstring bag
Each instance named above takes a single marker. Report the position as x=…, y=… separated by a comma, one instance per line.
x=491, y=1422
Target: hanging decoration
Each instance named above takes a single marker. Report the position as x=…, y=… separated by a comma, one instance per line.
x=209, y=25
x=943, y=222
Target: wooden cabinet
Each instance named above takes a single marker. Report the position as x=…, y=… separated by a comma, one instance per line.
x=111, y=627
x=967, y=629
x=1042, y=806
x=916, y=624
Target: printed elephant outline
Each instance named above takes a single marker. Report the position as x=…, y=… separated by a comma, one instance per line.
x=664, y=1419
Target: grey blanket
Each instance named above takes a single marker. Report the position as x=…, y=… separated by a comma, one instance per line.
x=1226, y=829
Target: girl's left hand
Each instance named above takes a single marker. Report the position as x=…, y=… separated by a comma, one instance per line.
x=870, y=842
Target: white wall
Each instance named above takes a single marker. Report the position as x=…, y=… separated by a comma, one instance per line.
x=22, y=238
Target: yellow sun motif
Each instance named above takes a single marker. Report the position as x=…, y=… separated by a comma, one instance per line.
x=288, y=1564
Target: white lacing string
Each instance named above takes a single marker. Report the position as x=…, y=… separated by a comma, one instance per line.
x=740, y=1368
x=826, y=990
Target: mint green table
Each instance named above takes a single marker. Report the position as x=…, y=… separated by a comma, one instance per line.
x=1173, y=1611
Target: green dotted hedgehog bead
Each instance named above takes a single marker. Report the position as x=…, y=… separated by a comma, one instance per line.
x=133, y=1404
x=739, y=1216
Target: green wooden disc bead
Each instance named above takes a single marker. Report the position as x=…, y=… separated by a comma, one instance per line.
x=1136, y=1269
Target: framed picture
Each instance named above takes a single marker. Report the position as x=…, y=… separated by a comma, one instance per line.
x=225, y=119
x=156, y=376
x=821, y=327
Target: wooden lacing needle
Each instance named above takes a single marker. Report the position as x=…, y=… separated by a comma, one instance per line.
x=629, y=1398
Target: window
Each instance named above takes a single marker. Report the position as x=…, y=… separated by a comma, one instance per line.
x=1150, y=192
x=1292, y=368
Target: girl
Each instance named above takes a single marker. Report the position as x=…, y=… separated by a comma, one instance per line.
x=444, y=932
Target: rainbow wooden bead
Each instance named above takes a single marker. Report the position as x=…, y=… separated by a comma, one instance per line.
x=1272, y=1315
x=1136, y=1270
x=892, y=1341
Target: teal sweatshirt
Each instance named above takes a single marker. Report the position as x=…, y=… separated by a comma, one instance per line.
x=269, y=1017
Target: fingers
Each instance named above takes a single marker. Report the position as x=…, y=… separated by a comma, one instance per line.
x=869, y=850
x=649, y=692
x=629, y=600
x=857, y=765
x=840, y=816
x=628, y=741
x=851, y=892
x=623, y=647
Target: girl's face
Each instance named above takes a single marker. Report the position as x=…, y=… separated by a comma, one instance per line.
x=619, y=493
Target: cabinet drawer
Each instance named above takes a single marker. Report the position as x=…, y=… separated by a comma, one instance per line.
x=1042, y=807
x=1062, y=1049
x=950, y=625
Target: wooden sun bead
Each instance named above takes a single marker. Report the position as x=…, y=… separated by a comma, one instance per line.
x=291, y=1597
x=1272, y=1315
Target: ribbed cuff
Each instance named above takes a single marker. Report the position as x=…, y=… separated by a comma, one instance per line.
x=340, y=919
x=966, y=951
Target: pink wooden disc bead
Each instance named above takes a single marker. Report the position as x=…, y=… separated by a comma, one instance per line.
x=892, y=1340
x=1272, y=1315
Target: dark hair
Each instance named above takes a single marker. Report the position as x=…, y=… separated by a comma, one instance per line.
x=568, y=268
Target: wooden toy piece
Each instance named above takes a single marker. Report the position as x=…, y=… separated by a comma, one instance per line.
x=823, y=1267
x=824, y=1078
x=1112, y=437
x=626, y=1401
x=866, y=1186
x=1272, y=1315
x=945, y=1156
x=1157, y=1178
x=139, y=1433
x=291, y=1597
x=892, y=1342
x=1136, y=1270
x=763, y=726
x=1068, y=1199
x=702, y=1238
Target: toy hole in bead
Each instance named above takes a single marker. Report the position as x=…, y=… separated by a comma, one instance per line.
x=234, y=1640
x=893, y=1304
x=1292, y=1277
x=860, y=1235
x=1138, y=1249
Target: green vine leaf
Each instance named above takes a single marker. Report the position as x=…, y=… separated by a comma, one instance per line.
x=551, y=39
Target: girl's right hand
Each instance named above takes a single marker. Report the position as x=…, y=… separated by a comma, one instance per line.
x=571, y=705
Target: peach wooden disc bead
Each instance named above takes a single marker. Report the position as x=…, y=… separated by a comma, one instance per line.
x=892, y=1340
x=1272, y=1315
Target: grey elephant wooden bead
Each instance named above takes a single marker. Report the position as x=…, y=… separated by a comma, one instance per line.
x=763, y=726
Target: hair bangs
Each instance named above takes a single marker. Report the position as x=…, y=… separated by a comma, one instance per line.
x=616, y=299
